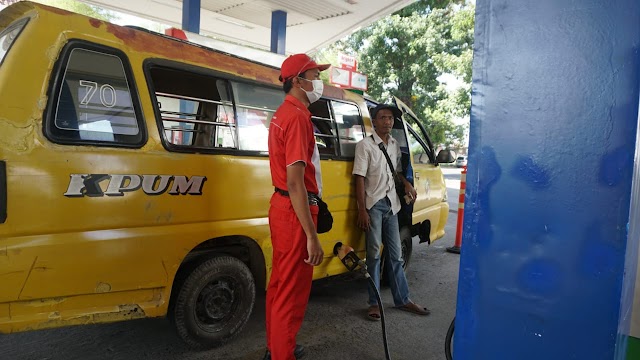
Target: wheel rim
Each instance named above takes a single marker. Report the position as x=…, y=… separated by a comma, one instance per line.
x=217, y=303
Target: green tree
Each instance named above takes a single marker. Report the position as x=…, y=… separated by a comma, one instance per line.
x=80, y=8
x=404, y=54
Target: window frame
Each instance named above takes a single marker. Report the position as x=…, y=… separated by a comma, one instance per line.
x=420, y=141
x=236, y=105
x=340, y=156
x=332, y=126
x=411, y=120
x=178, y=66
x=426, y=143
x=55, y=87
x=229, y=79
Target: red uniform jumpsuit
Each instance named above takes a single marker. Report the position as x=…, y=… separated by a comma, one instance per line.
x=291, y=139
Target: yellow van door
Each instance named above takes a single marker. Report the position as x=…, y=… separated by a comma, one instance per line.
x=427, y=176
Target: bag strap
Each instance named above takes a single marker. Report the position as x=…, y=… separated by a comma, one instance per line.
x=386, y=155
x=394, y=174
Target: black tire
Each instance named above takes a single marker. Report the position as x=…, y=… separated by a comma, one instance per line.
x=214, y=302
x=406, y=243
x=407, y=246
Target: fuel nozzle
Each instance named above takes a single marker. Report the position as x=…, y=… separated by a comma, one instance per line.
x=348, y=256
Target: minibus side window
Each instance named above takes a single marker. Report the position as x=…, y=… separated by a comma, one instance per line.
x=173, y=109
x=420, y=154
x=195, y=110
x=399, y=134
x=350, y=127
x=324, y=128
x=93, y=101
x=426, y=144
x=255, y=106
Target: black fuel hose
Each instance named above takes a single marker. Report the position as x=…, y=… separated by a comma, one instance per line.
x=449, y=337
x=352, y=262
x=384, y=327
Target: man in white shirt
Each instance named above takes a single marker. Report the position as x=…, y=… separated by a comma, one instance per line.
x=378, y=206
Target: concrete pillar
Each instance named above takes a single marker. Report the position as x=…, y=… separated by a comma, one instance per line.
x=191, y=16
x=278, y=31
x=553, y=129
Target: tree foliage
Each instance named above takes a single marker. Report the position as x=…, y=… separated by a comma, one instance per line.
x=405, y=53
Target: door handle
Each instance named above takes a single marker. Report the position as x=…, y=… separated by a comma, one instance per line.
x=416, y=175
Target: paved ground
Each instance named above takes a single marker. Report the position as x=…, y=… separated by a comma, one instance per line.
x=335, y=326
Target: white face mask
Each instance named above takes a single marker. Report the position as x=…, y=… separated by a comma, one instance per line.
x=316, y=93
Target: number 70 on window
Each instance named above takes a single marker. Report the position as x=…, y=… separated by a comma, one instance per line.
x=107, y=93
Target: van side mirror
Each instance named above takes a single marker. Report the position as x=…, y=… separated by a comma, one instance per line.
x=445, y=157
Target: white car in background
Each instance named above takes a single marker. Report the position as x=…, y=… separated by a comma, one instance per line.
x=461, y=161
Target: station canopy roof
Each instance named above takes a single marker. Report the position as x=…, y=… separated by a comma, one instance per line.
x=311, y=24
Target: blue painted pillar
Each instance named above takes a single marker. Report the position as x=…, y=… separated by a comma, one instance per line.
x=190, y=23
x=553, y=126
x=191, y=16
x=278, y=31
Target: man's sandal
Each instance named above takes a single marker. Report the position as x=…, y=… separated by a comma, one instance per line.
x=414, y=308
x=373, y=313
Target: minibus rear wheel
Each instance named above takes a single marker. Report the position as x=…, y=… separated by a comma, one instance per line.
x=214, y=302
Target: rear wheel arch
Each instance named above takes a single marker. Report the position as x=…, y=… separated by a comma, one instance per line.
x=215, y=287
x=244, y=248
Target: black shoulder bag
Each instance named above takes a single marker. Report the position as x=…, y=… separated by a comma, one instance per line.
x=325, y=219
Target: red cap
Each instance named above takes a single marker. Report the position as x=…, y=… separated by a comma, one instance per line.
x=296, y=64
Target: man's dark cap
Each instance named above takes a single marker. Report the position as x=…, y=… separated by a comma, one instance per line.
x=394, y=110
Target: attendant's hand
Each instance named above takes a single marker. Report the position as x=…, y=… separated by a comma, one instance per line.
x=314, y=249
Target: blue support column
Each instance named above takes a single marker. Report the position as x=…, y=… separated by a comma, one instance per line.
x=278, y=31
x=191, y=16
x=190, y=23
x=553, y=127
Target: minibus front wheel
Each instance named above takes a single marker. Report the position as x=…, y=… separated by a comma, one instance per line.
x=406, y=243
x=214, y=302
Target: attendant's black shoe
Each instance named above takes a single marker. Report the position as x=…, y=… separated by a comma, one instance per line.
x=298, y=352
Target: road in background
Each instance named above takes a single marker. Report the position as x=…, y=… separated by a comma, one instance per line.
x=335, y=326
x=452, y=178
